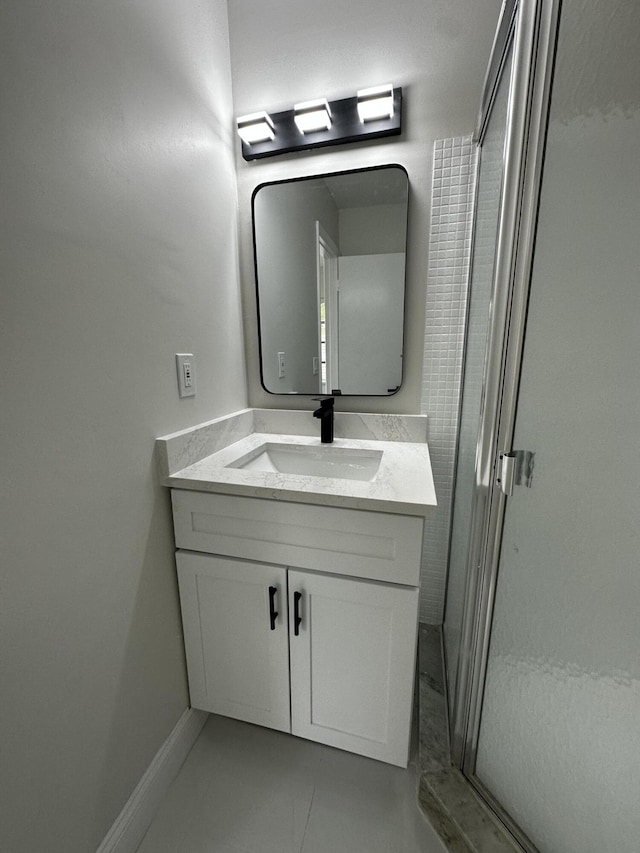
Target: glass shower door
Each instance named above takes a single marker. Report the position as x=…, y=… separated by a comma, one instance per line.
x=559, y=737
x=486, y=219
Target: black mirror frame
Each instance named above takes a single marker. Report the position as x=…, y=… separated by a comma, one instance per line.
x=390, y=392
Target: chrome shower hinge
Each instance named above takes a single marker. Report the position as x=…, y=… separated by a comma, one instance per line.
x=515, y=468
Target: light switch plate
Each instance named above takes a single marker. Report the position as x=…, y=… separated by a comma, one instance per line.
x=186, y=369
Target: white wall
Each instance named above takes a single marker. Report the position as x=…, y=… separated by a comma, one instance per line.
x=291, y=51
x=118, y=230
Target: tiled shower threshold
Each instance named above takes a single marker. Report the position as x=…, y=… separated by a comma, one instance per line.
x=453, y=808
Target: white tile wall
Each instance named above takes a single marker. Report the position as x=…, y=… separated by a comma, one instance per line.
x=454, y=169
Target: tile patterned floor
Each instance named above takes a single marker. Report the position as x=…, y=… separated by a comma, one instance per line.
x=246, y=789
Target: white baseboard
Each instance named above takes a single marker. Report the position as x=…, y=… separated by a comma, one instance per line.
x=135, y=818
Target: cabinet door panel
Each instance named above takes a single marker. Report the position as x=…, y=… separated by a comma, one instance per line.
x=237, y=665
x=352, y=664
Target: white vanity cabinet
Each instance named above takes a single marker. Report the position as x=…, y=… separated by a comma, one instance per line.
x=300, y=617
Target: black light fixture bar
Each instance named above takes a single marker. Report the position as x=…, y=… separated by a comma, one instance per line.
x=346, y=127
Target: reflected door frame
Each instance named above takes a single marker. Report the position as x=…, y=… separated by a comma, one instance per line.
x=328, y=311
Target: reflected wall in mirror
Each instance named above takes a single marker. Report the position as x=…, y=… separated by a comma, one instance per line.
x=330, y=274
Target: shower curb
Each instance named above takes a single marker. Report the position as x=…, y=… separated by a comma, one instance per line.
x=461, y=820
x=440, y=819
x=446, y=798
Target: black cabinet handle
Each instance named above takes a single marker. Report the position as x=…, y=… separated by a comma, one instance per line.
x=297, y=618
x=273, y=613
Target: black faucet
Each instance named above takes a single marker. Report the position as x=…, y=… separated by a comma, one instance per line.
x=325, y=413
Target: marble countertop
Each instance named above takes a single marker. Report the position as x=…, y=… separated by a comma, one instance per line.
x=403, y=483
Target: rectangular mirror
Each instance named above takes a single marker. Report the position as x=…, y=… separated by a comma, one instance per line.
x=330, y=255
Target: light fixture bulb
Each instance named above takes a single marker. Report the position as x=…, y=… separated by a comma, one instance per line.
x=375, y=103
x=255, y=127
x=312, y=116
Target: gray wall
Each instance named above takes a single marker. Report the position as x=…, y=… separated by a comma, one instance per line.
x=437, y=50
x=371, y=291
x=118, y=249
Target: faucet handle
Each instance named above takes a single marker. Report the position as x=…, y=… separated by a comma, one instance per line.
x=325, y=402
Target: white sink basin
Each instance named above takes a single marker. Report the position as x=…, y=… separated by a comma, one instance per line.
x=318, y=461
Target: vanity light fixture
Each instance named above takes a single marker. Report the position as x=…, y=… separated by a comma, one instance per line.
x=370, y=114
x=312, y=116
x=256, y=127
x=375, y=103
